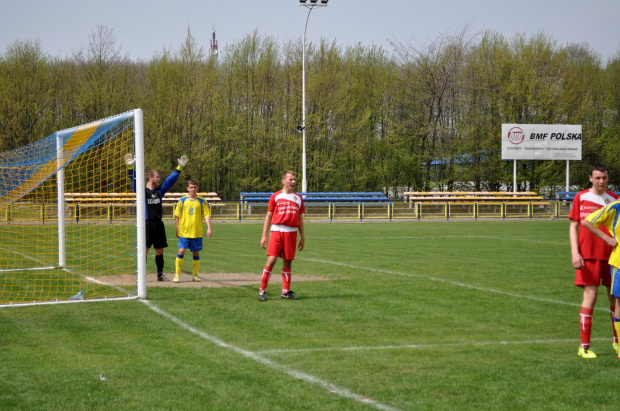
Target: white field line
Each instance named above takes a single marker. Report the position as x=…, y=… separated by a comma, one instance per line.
x=431, y=237
x=343, y=392
x=424, y=346
x=10, y=270
x=443, y=280
x=26, y=256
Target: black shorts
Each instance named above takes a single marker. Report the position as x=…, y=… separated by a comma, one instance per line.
x=156, y=234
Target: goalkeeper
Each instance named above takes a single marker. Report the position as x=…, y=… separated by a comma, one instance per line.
x=155, y=230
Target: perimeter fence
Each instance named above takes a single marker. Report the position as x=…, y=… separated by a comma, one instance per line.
x=316, y=209
x=401, y=210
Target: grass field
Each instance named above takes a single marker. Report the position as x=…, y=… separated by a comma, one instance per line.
x=413, y=315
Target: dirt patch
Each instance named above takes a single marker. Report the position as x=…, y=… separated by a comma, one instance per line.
x=212, y=280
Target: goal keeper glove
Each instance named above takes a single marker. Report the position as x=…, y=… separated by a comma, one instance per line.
x=129, y=160
x=182, y=162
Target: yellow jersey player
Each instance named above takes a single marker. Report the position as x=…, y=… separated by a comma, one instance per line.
x=604, y=224
x=189, y=213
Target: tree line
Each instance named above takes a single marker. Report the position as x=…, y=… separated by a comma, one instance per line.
x=411, y=118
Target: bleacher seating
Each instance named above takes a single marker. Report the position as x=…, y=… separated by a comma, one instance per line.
x=127, y=198
x=320, y=197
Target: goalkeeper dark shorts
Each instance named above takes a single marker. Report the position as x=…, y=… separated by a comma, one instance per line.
x=156, y=235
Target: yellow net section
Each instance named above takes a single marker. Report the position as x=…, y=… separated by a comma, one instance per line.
x=99, y=216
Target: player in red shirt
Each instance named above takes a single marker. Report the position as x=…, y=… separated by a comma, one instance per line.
x=285, y=217
x=590, y=254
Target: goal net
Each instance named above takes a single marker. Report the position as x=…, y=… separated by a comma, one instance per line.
x=68, y=215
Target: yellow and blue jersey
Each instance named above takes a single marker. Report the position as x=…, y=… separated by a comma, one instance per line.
x=608, y=217
x=191, y=213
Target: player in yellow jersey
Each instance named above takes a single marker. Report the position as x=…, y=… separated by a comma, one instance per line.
x=608, y=218
x=189, y=212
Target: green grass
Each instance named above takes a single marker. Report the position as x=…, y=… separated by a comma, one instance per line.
x=414, y=315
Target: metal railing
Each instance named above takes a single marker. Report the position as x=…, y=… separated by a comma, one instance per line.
x=330, y=210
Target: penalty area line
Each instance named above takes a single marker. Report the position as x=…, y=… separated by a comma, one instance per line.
x=423, y=346
x=443, y=280
x=343, y=392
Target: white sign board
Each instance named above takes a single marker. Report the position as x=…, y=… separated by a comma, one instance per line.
x=541, y=142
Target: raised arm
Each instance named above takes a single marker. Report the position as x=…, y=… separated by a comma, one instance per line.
x=130, y=161
x=174, y=176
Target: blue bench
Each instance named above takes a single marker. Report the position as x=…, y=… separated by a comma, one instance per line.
x=565, y=195
x=570, y=195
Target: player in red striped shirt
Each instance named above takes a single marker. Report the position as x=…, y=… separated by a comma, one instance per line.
x=590, y=254
x=285, y=217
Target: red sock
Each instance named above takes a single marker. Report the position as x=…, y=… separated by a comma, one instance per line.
x=286, y=279
x=585, y=320
x=264, y=281
x=611, y=314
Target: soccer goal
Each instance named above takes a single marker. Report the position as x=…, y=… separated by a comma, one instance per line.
x=69, y=220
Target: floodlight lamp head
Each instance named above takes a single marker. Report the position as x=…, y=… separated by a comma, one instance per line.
x=313, y=1
x=300, y=128
x=303, y=1
x=323, y=1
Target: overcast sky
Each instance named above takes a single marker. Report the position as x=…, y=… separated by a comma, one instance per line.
x=144, y=27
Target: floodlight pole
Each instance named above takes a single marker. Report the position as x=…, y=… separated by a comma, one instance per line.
x=304, y=178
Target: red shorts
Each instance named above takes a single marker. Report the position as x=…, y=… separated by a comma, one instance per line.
x=282, y=244
x=593, y=272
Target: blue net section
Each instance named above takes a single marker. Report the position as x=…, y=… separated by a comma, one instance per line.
x=24, y=169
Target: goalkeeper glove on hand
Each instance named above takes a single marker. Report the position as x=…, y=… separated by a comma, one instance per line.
x=182, y=162
x=129, y=160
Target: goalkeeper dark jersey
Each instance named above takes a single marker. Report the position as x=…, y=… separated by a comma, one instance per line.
x=153, y=198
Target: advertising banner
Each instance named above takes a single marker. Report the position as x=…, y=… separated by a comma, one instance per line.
x=541, y=142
